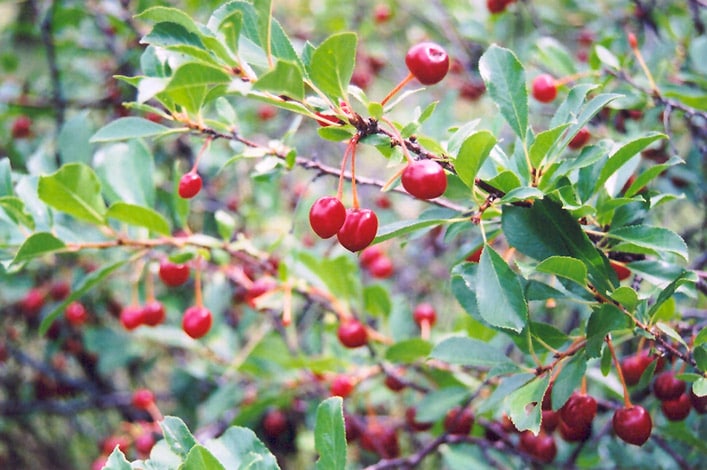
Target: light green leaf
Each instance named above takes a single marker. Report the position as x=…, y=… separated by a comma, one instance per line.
x=172, y=15
x=522, y=193
x=624, y=154
x=177, y=435
x=649, y=240
x=285, y=79
x=408, y=351
x=129, y=128
x=505, y=81
x=117, y=461
x=38, y=244
x=73, y=141
x=168, y=34
x=545, y=141
x=668, y=292
x=465, y=351
x=126, y=171
x=329, y=435
x=555, y=57
x=240, y=449
x=139, y=215
x=565, y=266
x=403, y=227
x=626, y=297
x=5, y=178
x=14, y=207
x=606, y=57
x=199, y=458
x=191, y=83
x=700, y=387
x=436, y=404
x=472, y=154
x=76, y=190
x=671, y=333
x=332, y=65
x=499, y=294
x=524, y=404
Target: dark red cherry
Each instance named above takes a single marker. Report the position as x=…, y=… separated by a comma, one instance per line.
x=574, y=434
x=542, y=446
x=326, y=216
x=667, y=387
x=621, y=270
x=698, y=403
x=678, y=408
x=173, y=274
x=21, y=127
x=352, y=333
x=580, y=139
x=197, y=321
x=459, y=421
x=424, y=179
x=428, y=62
x=411, y=420
x=633, y=425
x=275, y=422
x=579, y=410
x=359, y=229
x=189, y=185
x=381, y=440
x=550, y=420
x=544, y=88
x=634, y=366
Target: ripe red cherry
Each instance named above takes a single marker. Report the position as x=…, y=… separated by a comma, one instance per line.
x=196, y=321
x=424, y=312
x=131, y=317
x=579, y=410
x=342, y=386
x=21, y=128
x=109, y=444
x=475, y=256
x=459, y=421
x=497, y=6
x=428, y=62
x=382, y=13
x=622, y=272
x=381, y=268
x=411, y=420
x=326, y=216
x=667, y=387
x=393, y=383
x=172, y=274
x=550, y=420
x=76, y=314
x=352, y=427
x=698, y=403
x=424, y=179
x=352, y=333
x=260, y=286
x=544, y=88
x=369, y=255
x=634, y=366
x=542, y=446
x=153, y=313
x=580, y=139
x=576, y=434
x=381, y=440
x=143, y=399
x=359, y=229
x=633, y=425
x=676, y=409
x=144, y=443
x=59, y=290
x=189, y=185
x=274, y=423
x=32, y=302
x=99, y=463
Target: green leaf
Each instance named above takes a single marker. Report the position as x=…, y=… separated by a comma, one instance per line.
x=90, y=281
x=408, y=351
x=177, y=435
x=555, y=57
x=240, y=449
x=167, y=34
x=465, y=351
x=329, y=435
x=403, y=227
x=436, y=404
x=76, y=190
x=668, y=292
x=14, y=207
x=649, y=174
x=225, y=224
x=626, y=297
x=564, y=266
x=73, y=141
x=624, y=154
x=568, y=380
x=199, y=458
x=671, y=333
x=606, y=57
x=126, y=171
x=332, y=65
x=545, y=141
x=603, y=320
x=191, y=84
x=524, y=404
x=505, y=81
x=117, y=461
x=499, y=294
x=472, y=154
x=138, y=215
x=172, y=15
x=5, y=178
x=129, y=128
x=522, y=193
x=546, y=230
x=700, y=387
x=285, y=79
x=649, y=240
x=38, y=244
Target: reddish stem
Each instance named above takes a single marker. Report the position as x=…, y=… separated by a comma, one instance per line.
x=397, y=88
x=619, y=372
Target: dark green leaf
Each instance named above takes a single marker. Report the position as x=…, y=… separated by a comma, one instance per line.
x=38, y=244
x=129, y=128
x=329, y=435
x=472, y=154
x=568, y=380
x=76, y=190
x=624, y=154
x=499, y=294
x=649, y=240
x=465, y=351
x=603, y=320
x=408, y=351
x=668, y=292
x=332, y=65
x=138, y=215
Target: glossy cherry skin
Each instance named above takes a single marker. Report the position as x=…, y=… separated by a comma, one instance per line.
x=542, y=446
x=359, y=229
x=459, y=421
x=189, y=185
x=621, y=270
x=424, y=179
x=144, y=443
x=579, y=410
x=197, y=321
x=580, y=139
x=475, y=256
x=326, y=216
x=143, y=399
x=76, y=314
x=634, y=366
x=496, y=6
x=131, y=317
x=428, y=62
x=172, y=274
x=153, y=313
x=544, y=88
x=424, y=312
x=32, y=302
x=677, y=409
x=576, y=434
x=667, y=387
x=352, y=334
x=633, y=425
x=342, y=386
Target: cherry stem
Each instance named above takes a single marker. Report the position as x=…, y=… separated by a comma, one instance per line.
x=354, y=193
x=396, y=133
x=425, y=330
x=340, y=190
x=392, y=179
x=149, y=285
x=202, y=151
x=198, y=297
x=397, y=88
x=619, y=372
x=287, y=305
x=583, y=387
x=646, y=70
x=571, y=78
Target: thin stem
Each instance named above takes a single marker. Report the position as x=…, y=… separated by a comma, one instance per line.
x=340, y=190
x=202, y=151
x=397, y=135
x=198, y=296
x=397, y=88
x=354, y=192
x=646, y=70
x=619, y=372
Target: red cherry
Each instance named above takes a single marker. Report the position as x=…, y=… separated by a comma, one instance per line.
x=550, y=420
x=352, y=333
x=99, y=463
x=383, y=201
x=633, y=425
x=632, y=41
x=381, y=440
x=424, y=312
x=667, y=387
x=196, y=321
x=381, y=13
x=542, y=446
x=109, y=444
x=410, y=419
x=76, y=314
x=59, y=290
x=544, y=88
x=144, y=443
x=381, y=268
x=351, y=427
x=189, y=185
x=32, y=302
x=143, y=399
x=496, y=6
x=459, y=421
x=21, y=127
x=579, y=410
x=622, y=272
x=393, y=383
x=580, y=139
x=326, y=216
x=475, y=256
x=634, y=366
x=131, y=317
x=698, y=403
x=326, y=120
x=172, y=274
x=275, y=423
x=677, y=409
x=424, y=179
x=266, y=112
x=153, y=313
x=342, y=386
x=359, y=229
x=369, y=255
x=576, y=434
x=428, y=62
